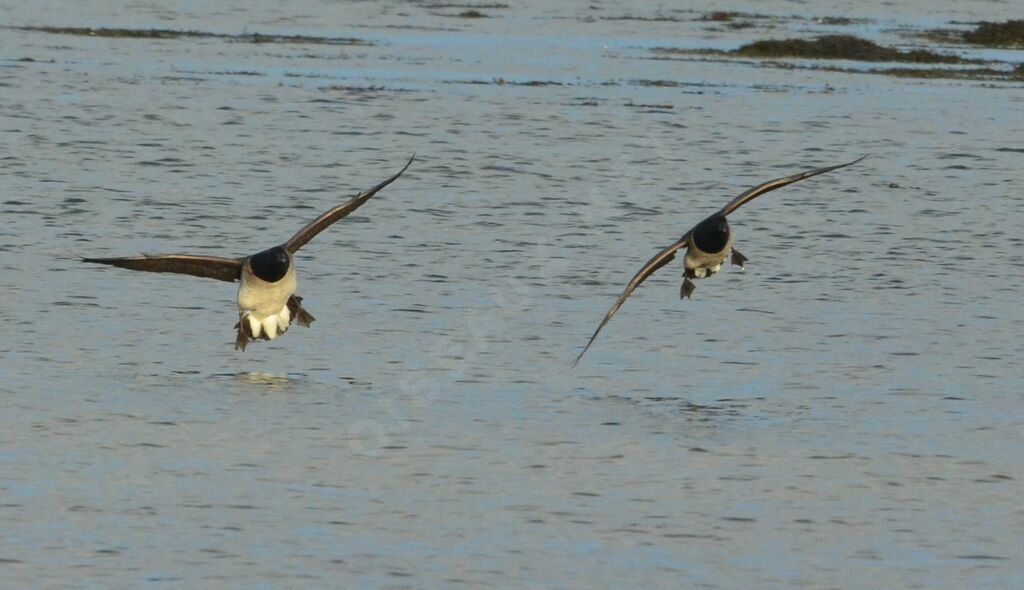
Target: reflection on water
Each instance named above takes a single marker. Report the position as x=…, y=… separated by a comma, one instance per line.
x=851, y=399
x=273, y=382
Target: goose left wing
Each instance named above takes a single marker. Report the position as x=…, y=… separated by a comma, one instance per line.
x=321, y=223
x=771, y=185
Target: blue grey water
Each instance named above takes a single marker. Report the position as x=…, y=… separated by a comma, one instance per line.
x=846, y=413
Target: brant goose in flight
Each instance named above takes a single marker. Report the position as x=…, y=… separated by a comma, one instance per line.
x=267, y=303
x=707, y=245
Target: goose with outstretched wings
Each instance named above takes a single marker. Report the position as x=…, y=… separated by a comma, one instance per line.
x=707, y=245
x=267, y=303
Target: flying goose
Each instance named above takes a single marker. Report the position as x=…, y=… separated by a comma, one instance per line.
x=707, y=245
x=267, y=303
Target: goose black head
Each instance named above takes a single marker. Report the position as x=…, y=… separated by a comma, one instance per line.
x=712, y=234
x=270, y=265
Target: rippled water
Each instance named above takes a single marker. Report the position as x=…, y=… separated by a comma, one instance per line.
x=845, y=413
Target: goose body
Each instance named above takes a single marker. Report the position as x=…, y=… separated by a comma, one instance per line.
x=709, y=245
x=263, y=303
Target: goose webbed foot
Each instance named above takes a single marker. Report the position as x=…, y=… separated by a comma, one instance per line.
x=737, y=258
x=299, y=314
x=687, y=289
x=242, y=338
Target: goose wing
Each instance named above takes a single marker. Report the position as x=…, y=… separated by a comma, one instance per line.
x=321, y=223
x=771, y=185
x=210, y=267
x=659, y=260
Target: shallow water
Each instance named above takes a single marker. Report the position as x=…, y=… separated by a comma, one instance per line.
x=845, y=413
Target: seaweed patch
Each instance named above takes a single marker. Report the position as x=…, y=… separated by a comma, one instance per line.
x=843, y=47
x=847, y=47
x=1007, y=33
x=827, y=47
x=115, y=33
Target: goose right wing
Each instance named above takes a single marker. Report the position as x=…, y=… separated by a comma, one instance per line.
x=210, y=267
x=659, y=260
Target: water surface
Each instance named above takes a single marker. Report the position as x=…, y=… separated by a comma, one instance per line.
x=844, y=413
